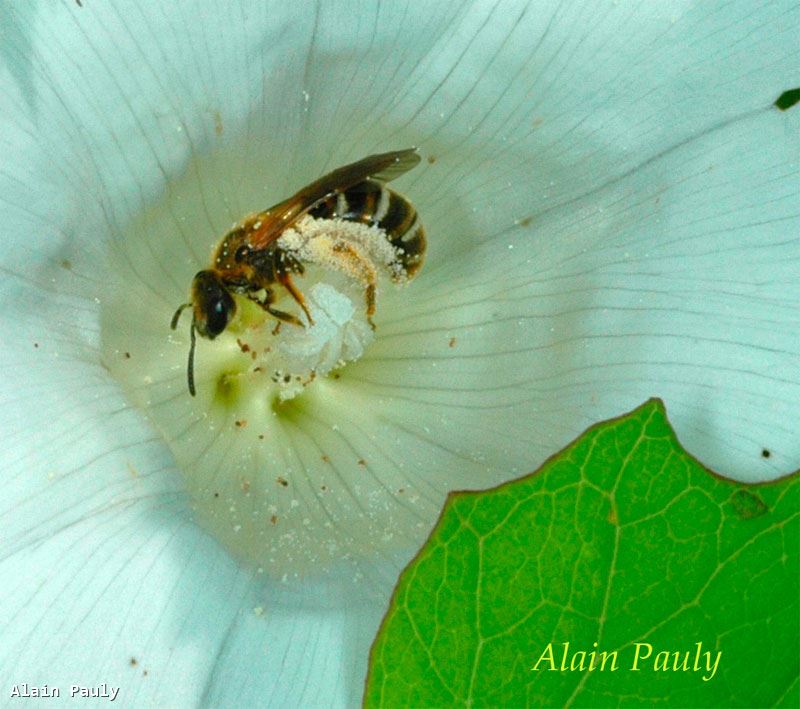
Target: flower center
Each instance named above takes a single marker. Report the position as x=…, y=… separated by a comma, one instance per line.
x=282, y=359
x=279, y=450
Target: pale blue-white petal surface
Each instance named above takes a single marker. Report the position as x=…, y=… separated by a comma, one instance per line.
x=611, y=202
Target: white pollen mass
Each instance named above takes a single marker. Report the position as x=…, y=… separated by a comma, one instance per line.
x=339, y=334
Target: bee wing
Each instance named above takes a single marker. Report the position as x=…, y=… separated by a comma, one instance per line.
x=381, y=168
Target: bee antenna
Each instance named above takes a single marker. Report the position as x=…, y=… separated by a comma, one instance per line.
x=190, y=368
x=177, y=315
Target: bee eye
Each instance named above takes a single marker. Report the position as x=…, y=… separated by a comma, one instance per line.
x=241, y=252
x=218, y=315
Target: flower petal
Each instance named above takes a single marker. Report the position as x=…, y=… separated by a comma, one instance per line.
x=306, y=651
x=672, y=282
x=108, y=578
x=634, y=221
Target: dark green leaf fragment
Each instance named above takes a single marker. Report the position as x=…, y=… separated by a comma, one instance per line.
x=788, y=99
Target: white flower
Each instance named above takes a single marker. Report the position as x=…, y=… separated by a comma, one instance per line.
x=611, y=203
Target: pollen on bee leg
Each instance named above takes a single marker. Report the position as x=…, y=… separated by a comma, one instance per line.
x=352, y=248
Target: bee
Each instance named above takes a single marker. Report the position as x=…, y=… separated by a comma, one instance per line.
x=250, y=261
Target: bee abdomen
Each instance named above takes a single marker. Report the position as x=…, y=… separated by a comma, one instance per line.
x=372, y=203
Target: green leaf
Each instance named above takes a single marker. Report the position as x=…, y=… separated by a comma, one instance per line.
x=622, y=538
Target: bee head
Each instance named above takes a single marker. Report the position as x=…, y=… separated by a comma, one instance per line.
x=213, y=307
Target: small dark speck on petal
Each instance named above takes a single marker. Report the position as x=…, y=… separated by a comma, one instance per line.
x=765, y=453
x=80, y=4
x=134, y=662
x=787, y=99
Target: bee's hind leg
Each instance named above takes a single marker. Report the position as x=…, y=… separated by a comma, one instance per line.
x=352, y=261
x=286, y=281
x=370, y=296
x=345, y=257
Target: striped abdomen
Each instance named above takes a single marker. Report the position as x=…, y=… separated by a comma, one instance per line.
x=372, y=203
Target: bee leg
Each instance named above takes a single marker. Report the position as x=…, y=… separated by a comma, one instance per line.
x=279, y=314
x=286, y=281
x=357, y=265
x=370, y=295
x=282, y=316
